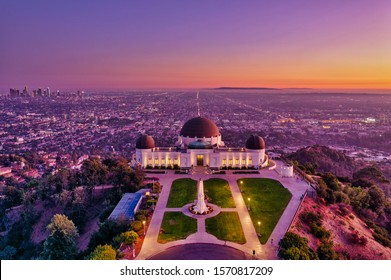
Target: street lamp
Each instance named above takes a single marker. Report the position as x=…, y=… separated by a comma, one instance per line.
x=144, y=227
x=259, y=228
x=241, y=185
x=248, y=204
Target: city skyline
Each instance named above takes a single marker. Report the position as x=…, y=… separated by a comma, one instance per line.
x=123, y=45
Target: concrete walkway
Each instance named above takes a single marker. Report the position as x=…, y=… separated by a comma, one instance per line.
x=268, y=251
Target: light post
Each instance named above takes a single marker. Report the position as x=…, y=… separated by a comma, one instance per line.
x=241, y=185
x=259, y=229
x=248, y=204
x=144, y=227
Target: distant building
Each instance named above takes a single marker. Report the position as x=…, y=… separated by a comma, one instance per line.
x=200, y=144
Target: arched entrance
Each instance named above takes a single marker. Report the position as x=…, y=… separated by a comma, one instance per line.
x=200, y=160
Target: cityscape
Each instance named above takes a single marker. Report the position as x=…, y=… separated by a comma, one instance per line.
x=219, y=130
x=73, y=125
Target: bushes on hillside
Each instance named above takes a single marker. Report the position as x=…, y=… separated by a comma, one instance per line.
x=294, y=247
x=318, y=231
x=310, y=217
x=326, y=252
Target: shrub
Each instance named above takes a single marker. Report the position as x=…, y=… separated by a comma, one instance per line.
x=294, y=253
x=105, y=252
x=380, y=234
x=310, y=217
x=341, y=197
x=318, y=231
x=140, y=217
x=344, y=209
x=359, y=240
x=129, y=237
x=294, y=247
x=136, y=225
x=383, y=240
x=326, y=252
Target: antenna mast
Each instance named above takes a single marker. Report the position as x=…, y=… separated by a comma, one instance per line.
x=198, y=105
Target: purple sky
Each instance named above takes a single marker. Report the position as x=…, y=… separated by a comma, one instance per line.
x=132, y=44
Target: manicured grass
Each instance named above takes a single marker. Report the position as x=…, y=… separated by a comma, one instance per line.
x=226, y=226
x=219, y=193
x=183, y=191
x=176, y=226
x=268, y=201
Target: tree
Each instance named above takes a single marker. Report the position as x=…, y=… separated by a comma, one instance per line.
x=139, y=175
x=13, y=196
x=331, y=181
x=129, y=237
x=8, y=253
x=377, y=199
x=124, y=176
x=322, y=189
x=93, y=173
x=103, y=252
x=106, y=233
x=341, y=197
x=60, y=244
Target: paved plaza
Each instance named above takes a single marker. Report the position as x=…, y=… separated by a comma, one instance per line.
x=151, y=247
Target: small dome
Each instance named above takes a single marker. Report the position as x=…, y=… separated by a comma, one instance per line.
x=199, y=127
x=199, y=145
x=145, y=142
x=255, y=142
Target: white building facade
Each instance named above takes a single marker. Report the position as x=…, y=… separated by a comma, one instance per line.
x=200, y=144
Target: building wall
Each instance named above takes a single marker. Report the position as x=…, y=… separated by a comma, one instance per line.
x=212, y=158
x=155, y=157
x=213, y=140
x=286, y=171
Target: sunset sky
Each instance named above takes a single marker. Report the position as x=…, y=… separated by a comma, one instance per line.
x=195, y=44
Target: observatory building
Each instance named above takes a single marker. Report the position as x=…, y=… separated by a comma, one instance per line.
x=200, y=143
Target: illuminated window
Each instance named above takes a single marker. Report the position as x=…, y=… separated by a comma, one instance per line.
x=224, y=162
x=250, y=161
x=237, y=162
x=156, y=161
x=150, y=161
x=163, y=161
x=230, y=162
x=243, y=161
x=175, y=161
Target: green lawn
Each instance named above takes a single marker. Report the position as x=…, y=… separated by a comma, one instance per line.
x=219, y=193
x=268, y=201
x=226, y=226
x=183, y=191
x=176, y=226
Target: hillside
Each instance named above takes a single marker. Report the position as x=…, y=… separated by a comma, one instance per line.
x=324, y=159
x=342, y=225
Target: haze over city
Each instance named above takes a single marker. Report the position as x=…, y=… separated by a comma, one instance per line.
x=195, y=44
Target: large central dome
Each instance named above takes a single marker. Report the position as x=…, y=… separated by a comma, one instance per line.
x=199, y=127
